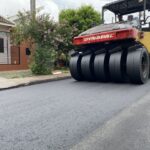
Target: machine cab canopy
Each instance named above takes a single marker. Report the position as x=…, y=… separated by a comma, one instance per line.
x=124, y=7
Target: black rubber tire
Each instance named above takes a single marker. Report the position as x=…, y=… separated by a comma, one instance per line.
x=117, y=71
x=101, y=67
x=75, y=67
x=138, y=66
x=87, y=67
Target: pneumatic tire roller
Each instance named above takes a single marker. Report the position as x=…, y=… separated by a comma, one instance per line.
x=117, y=52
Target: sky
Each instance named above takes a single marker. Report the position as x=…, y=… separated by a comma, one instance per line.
x=10, y=8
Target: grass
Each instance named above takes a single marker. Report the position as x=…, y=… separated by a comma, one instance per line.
x=24, y=73
x=64, y=70
x=16, y=74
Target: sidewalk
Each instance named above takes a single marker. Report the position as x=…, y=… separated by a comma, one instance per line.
x=17, y=82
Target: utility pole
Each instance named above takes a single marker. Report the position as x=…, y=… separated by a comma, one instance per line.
x=33, y=8
x=145, y=3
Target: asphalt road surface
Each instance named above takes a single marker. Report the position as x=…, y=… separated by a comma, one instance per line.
x=59, y=115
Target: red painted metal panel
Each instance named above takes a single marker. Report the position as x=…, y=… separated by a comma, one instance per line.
x=106, y=36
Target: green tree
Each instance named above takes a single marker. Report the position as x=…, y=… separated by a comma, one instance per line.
x=69, y=16
x=87, y=18
x=72, y=22
x=41, y=32
x=82, y=18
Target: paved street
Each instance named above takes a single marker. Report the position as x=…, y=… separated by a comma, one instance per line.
x=129, y=130
x=62, y=114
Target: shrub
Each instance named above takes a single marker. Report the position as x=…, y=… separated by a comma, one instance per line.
x=43, y=62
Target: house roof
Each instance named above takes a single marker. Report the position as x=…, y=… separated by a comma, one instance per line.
x=6, y=22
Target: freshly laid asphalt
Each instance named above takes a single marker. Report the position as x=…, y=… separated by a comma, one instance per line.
x=59, y=115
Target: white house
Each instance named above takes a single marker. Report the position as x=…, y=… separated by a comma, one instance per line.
x=5, y=54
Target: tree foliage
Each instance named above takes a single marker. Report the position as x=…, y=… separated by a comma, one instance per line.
x=82, y=18
x=50, y=38
x=41, y=32
x=74, y=21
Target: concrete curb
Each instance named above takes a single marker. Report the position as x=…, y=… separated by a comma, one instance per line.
x=36, y=82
